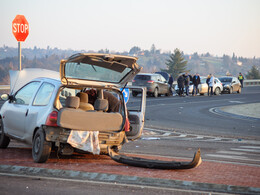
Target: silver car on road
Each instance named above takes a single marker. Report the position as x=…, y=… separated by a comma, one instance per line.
x=80, y=108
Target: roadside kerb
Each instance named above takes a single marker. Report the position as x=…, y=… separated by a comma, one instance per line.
x=123, y=179
x=242, y=111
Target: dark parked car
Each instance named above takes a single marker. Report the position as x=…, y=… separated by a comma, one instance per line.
x=230, y=84
x=156, y=84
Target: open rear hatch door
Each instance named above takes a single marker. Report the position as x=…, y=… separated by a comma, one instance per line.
x=136, y=108
x=98, y=70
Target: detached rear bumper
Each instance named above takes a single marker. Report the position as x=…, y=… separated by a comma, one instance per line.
x=155, y=164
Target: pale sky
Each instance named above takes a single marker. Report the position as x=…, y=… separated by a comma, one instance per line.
x=215, y=26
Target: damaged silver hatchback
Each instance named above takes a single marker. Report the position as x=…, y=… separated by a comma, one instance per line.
x=82, y=108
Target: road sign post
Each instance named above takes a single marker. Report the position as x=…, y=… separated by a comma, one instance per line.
x=20, y=29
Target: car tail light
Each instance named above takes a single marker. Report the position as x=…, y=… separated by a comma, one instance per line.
x=52, y=119
x=127, y=125
x=150, y=81
x=133, y=81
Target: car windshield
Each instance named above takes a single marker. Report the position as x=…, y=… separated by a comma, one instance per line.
x=142, y=77
x=228, y=80
x=95, y=73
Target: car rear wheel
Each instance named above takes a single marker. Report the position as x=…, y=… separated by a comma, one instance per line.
x=217, y=91
x=41, y=148
x=155, y=93
x=239, y=90
x=4, y=140
x=230, y=90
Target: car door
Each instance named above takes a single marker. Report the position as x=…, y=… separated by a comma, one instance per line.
x=136, y=108
x=40, y=109
x=234, y=84
x=237, y=82
x=165, y=85
x=17, y=109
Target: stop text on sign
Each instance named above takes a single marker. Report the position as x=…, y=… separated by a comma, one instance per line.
x=20, y=28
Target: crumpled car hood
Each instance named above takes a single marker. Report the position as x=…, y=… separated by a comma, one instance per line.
x=20, y=78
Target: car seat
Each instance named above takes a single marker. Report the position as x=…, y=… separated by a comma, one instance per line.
x=101, y=104
x=72, y=102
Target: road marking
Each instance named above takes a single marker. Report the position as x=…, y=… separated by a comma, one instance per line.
x=245, y=150
x=255, y=147
x=172, y=134
x=231, y=152
x=239, y=102
x=232, y=157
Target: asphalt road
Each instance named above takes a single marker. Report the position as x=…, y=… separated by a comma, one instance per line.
x=25, y=185
x=175, y=127
x=178, y=126
x=194, y=115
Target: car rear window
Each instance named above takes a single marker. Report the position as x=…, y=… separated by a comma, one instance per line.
x=86, y=71
x=142, y=77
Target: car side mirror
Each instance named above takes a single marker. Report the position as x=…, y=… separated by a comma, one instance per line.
x=5, y=97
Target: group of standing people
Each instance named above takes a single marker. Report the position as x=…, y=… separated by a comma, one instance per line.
x=184, y=83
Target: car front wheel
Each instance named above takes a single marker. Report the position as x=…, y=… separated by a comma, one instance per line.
x=217, y=91
x=155, y=93
x=230, y=90
x=239, y=90
x=41, y=148
x=4, y=140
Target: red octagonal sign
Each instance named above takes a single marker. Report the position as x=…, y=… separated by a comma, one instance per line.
x=20, y=28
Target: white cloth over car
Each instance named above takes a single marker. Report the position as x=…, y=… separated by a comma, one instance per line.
x=85, y=140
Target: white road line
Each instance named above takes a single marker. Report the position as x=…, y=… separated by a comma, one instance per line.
x=255, y=147
x=166, y=134
x=181, y=135
x=245, y=150
x=232, y=157
x=239, y=102
x=231, y=152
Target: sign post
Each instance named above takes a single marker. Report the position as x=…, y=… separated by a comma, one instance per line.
x=20, y=29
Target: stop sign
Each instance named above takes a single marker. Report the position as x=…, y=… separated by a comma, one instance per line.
x=20, y=28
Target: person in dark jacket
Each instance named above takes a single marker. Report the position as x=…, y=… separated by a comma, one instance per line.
x=170, y=82
x=180, y=82
x=187, y=83
x=196, y=82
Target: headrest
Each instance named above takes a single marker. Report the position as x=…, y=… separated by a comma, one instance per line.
x=86, y=106
x=101, y=105
x=72, y=102
x=83, y=97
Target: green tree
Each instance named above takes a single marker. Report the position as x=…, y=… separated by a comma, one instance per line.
x=176, y=64
x=253, y=73
x=134, y=50
x=195, y=56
